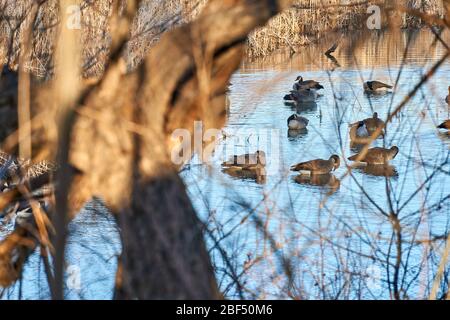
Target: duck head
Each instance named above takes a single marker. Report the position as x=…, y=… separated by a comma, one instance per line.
x=288, y=97
x=298, y=118
x=336, y=161
x=299, y=79
x=293, y=117
x=394, y=151
x=375, y=115
x=360, y=124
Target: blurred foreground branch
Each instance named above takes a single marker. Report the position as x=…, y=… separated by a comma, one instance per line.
x=120, y=147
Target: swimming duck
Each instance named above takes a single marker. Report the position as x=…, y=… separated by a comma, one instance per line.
x=296, y=122
x=259, y=157
x=373, y=124
x=373, y=86
x=302, y=95
x=301, y=84
x=447, y=99
x=358, y=131
x=319, y=166
x=364, y=129
x=376, y=156
x=445, y=124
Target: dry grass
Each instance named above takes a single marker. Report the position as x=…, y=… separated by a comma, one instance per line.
x=371, y=50
x=309, y=20
x=305, y=22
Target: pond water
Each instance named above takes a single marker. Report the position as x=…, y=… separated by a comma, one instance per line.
x=282, y=239
x=93, y=246
x=290, y=240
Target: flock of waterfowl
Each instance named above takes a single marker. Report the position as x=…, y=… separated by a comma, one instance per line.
x=319, y=171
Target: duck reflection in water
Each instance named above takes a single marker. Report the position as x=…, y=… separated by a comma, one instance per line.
x=377, y=95
x=445, y=137
x=300, y=107
x=252, y=172
x=295, y=134
x=378, y=170
x=319, y=180
x=306, y=107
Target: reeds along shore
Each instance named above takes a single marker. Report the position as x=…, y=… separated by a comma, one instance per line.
x=305, y=22
x=309, y=20
x=356, y=51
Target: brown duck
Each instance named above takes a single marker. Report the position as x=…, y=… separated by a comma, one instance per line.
x=301, y=96
x=319, y=166
x=296, y=122
x=373, y=86
x=445, y=125
x=376, y=156
x=364, y=129
x=301, y=84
